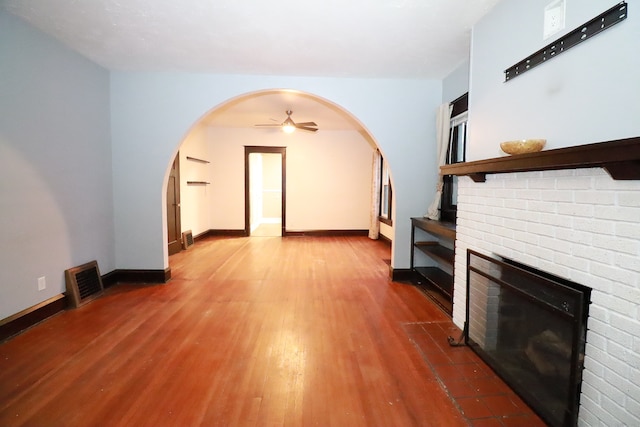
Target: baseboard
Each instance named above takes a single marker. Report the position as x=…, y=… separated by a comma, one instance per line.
x=13, y=325
x=223, y=233
x=401, y=274
x=384, y=239
x=200, y=236
x=17, y=323
x=136, y=276
x=326, y=233
x=316, y=233
x=109, y=279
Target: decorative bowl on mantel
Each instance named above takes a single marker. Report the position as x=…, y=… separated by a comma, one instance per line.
x=523, y=146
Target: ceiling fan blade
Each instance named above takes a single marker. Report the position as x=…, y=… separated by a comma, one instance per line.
x=306, y=126
x=308, y=129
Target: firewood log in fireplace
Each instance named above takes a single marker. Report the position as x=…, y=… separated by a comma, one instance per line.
x=550, y=354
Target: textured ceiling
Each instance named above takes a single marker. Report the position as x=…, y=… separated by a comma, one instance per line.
x=355, y=38
x=330, y=38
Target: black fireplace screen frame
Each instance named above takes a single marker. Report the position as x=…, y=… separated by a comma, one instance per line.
x=566, y=300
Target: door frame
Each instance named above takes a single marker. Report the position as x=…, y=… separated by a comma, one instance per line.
x=175, y=246
x=248, y=149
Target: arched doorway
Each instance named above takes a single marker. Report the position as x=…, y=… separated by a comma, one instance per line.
x=329, y=192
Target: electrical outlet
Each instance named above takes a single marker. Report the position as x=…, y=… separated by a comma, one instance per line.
x=554, y=18
x=42, y=283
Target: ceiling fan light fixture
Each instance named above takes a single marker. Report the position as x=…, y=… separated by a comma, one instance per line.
x=287, y=128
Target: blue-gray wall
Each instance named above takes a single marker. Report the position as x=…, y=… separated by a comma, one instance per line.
x=590, y=93
x=456, y=83
x=152, y=112
x=56, y=200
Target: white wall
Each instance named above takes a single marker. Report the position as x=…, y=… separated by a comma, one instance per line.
x=56, y=206
x=271, y=186
x=195, y=204
x=328, y=178
x=152, y=112
x=255, y=189
x=587, y=94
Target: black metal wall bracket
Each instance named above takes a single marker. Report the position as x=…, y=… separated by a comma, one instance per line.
x=616, y=14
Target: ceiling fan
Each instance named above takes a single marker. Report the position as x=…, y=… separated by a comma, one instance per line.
x=289, y=125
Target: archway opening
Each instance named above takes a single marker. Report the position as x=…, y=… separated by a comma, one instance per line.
x=329, y=172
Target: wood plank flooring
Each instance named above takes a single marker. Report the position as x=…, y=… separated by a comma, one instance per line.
x=268, y=230
x=300, y=331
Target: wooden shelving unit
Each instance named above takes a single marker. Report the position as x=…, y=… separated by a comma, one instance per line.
x=434, y=239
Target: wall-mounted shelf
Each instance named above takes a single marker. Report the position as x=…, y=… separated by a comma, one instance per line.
x=198, y=183
x=620, y=158
x=195, y=159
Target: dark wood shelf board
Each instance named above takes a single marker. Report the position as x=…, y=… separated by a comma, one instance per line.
x=426, y=243
x=195, y=159
x=434, y=295
x=437, y=252
x=620, y=158
x=438, y=278
x=440, y=228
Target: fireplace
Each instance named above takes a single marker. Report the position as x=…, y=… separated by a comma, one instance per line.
x=583, y=226
x=575, y=213
x=530, y=327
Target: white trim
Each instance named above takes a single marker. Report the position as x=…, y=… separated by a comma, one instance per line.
x=460, y=118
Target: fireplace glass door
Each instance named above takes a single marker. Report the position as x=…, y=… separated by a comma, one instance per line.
x=530, y=327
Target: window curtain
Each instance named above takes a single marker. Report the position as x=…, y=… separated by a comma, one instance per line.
x=374, y=223
x=443, y=122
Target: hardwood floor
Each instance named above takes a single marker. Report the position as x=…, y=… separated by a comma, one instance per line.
x=300, y=331
x=268, y=230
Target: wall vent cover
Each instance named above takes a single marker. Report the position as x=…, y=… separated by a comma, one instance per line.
x=84, y=283
x=187, y=239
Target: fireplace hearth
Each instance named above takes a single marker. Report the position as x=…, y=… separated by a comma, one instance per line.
x=530, y=327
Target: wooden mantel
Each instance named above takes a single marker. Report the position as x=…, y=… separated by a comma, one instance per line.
x=621, y=158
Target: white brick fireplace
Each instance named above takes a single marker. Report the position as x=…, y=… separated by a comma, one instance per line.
x=582, y=225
